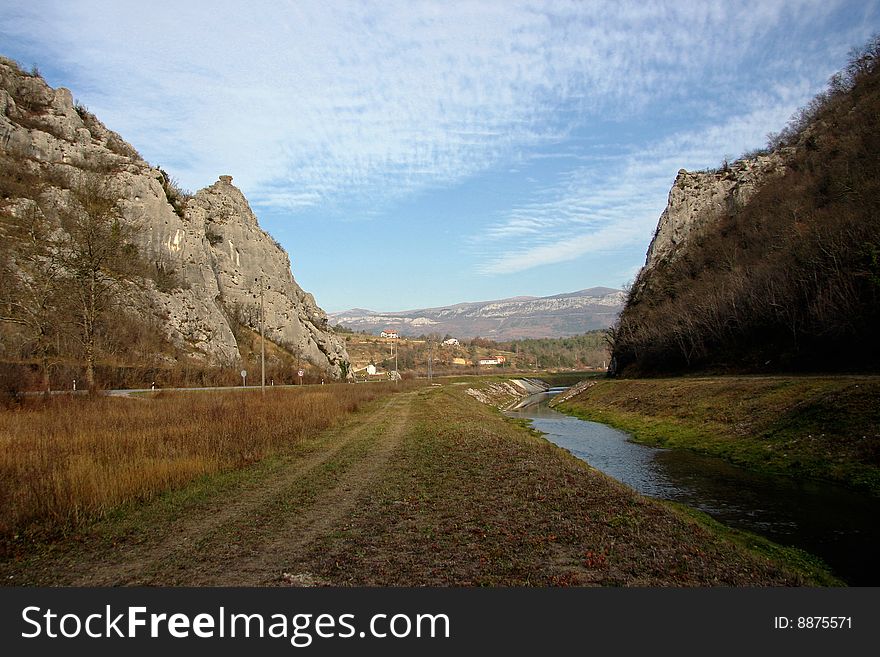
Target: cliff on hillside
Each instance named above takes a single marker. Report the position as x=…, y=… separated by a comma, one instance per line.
x=772, y=262
x=207, y=252
x=244, y=258
x=699, y=200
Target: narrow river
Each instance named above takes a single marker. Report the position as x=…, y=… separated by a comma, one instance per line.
x=837, y=524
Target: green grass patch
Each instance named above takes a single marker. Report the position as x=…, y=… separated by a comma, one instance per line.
x=817, y=428
x=805, y=564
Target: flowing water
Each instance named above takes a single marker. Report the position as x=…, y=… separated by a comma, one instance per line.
x=835, y=523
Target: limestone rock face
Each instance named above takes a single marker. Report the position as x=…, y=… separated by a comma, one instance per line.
x=699, y=199
x=212, y=243
x=246, y=262
x=193, y=315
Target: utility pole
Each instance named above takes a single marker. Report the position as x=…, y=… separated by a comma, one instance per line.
x=394, y=354
x=262, y=340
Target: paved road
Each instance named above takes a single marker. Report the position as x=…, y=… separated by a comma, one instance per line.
x=125, y=392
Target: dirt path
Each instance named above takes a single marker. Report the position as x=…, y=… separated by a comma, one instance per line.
x=269, y=555
x=247, y=534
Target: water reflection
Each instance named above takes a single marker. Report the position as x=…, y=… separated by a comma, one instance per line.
x=830, y=521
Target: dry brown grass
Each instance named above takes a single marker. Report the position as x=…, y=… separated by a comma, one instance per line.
x=66, y=460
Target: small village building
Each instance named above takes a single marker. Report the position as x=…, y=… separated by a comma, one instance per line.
x=459, y=361
x=451, y=342
x=389, y=333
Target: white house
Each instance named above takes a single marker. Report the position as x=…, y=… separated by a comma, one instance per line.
x=451, y=342
x=389, y=333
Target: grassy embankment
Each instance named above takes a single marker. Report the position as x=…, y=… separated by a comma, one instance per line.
x=501, y=392
x=427, y=487
x=813, y=427
x=474, y=498
x=68, y=460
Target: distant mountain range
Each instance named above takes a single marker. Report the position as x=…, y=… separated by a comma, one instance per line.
x=556, y=316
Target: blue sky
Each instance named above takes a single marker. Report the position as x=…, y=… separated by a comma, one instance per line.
x=413, y=154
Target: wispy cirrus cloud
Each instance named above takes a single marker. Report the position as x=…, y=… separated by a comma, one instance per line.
x=574, y=115
x=310, y=103
x=599, y=207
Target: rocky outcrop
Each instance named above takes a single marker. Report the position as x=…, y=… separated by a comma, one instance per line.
x=211, y=243
x=246, y=262
x=767, y=265
x=699, y=199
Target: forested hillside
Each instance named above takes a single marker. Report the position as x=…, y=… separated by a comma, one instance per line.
x=789, y=279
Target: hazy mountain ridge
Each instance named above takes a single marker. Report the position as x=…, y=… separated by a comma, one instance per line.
x=559, y=315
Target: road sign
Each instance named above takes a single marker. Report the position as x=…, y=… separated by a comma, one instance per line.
x=301, y=372
x=244, y=377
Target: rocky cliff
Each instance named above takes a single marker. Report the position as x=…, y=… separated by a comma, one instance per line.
x=770, y=263
x=210, y=242
x=699, y=199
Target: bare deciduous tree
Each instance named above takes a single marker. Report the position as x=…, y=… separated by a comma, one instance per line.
x=30, y=277
x=98, y=257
